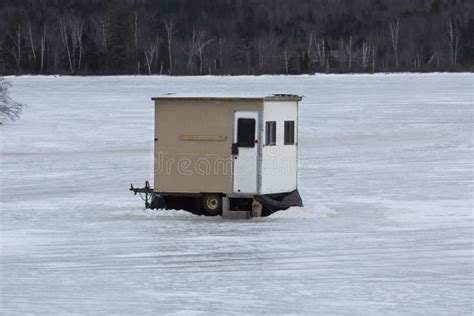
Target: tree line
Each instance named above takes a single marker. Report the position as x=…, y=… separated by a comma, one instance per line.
x=188, y=37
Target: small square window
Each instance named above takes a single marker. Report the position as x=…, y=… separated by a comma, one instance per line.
x=270, y=133
x=289, y=132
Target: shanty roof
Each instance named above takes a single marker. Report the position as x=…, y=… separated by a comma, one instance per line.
x=273, y=97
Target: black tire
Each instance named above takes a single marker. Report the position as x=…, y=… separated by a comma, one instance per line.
x=212, y=204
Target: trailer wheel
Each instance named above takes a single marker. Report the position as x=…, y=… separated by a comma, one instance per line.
x=212, y=204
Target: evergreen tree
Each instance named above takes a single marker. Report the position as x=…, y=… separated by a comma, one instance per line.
x=118, y=36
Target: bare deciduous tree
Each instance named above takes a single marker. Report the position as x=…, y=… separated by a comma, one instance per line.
x=261, y=49
x=42, y=49
x=321, y=53
x=453, y=34
x=76, y=29
x=151, y=51
x=100, y=32
x=394, y=27
x=221, y=45
x=136, y=27
x=199, y=41
x=309, y=49
x=8, y=108
x=373, y=59
x=170, y=31
x=202, y=45
x=16, y=39
x=349, y=54
x=285, y=59
x=434, y=59
x=365, y=55
x=32, y=43
x=64, y=32
x=418, y=58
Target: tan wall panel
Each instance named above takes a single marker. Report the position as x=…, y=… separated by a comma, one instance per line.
x=194, y=166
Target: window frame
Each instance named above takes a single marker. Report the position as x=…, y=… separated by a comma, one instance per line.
x=269, y=137
x=289, y=133
x=247, y=143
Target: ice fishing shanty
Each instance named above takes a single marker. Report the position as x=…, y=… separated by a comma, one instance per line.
x=215, y=154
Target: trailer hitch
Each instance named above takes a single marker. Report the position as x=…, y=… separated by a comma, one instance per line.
x=147, y=190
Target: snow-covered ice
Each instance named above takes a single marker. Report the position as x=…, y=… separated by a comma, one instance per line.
x=386, y=174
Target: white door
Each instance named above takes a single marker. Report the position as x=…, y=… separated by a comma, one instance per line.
x=244, y=152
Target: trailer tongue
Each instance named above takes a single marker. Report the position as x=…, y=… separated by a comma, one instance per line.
x=153, y=200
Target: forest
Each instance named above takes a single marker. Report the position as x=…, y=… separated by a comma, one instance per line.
x=235, y=37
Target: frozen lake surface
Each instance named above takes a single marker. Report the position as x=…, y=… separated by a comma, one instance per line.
x=386, y=175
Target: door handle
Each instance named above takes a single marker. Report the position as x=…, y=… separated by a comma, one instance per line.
x=235, y=149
